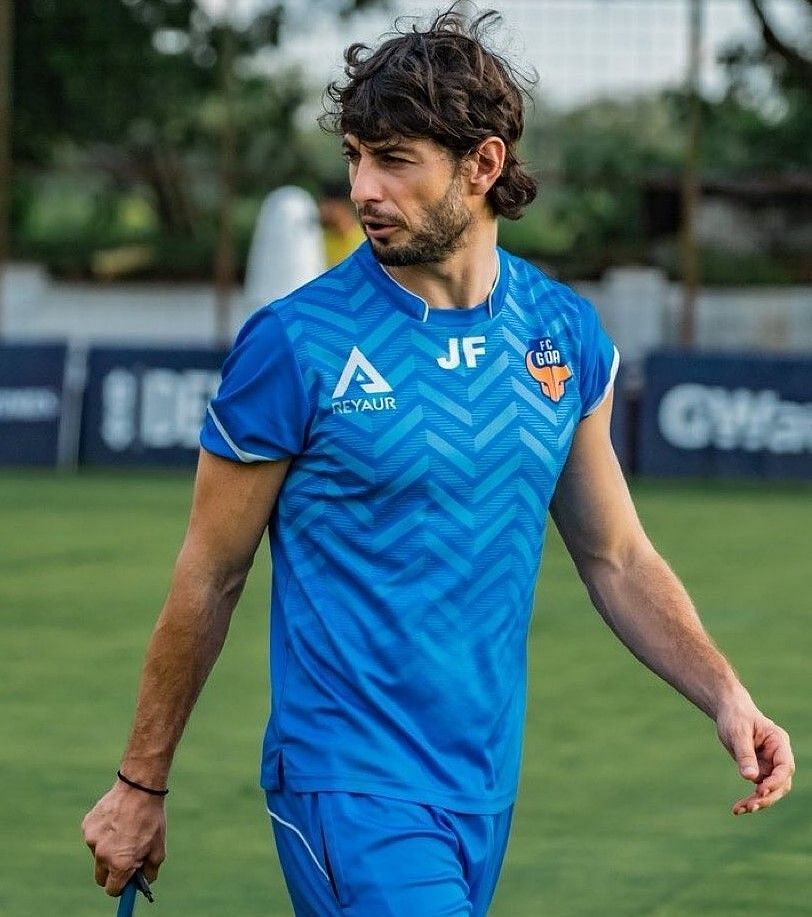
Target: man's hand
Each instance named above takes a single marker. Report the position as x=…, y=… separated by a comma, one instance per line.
x=125, y=830
x=763, y=753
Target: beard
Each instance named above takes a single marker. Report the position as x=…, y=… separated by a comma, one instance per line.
x=441, y=233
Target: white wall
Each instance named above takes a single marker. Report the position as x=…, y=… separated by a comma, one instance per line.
x=639, y=308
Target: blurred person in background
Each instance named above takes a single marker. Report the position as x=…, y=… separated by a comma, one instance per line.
x=402, y=425
x=339, y=223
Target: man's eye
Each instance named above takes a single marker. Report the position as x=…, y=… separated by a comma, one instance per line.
x=389, y=158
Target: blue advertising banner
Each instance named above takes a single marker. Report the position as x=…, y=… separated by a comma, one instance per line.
x=31, y=388
x=726, y=415
x=145, y=406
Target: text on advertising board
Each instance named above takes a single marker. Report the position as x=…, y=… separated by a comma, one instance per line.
x=160, y=408
x=712, y=414
x=693, y=416
x=29, y=405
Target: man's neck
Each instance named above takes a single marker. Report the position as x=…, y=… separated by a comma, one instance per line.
x=463, y=280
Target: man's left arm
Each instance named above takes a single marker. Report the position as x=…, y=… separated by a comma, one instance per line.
x=645, y=604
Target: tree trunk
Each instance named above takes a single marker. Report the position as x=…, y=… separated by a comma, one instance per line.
x=690, y=184
x=225, y=259
x=6, y=42
x=166, y=174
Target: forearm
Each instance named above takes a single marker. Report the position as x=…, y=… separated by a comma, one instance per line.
x=646, y=605
x=182, y=650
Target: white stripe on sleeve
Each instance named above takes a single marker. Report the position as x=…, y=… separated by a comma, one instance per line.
x=609, y=384
x=241, y=454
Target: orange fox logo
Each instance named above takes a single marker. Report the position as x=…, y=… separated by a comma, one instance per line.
x=550, y=378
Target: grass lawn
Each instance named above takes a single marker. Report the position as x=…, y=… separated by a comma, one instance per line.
x=625, y=800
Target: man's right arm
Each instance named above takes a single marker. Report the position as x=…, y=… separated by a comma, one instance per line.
x=230, y=511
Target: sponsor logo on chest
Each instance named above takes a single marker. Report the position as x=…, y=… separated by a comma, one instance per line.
x=359, y=373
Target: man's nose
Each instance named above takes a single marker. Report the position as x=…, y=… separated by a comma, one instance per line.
x=366, y=184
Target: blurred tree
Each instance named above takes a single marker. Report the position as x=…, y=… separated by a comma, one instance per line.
x=787, y=55
x=111, y=78
x=88, y=70
x=126, y=81
x=6, y=32
x=765, y=120
x=595, y=159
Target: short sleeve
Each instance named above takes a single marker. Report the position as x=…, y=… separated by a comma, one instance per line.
x=599, y=361
x=261, y=410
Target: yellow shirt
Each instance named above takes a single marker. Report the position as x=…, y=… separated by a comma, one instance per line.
x=337, y=246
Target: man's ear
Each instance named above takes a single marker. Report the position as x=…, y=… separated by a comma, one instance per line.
x=485, y=165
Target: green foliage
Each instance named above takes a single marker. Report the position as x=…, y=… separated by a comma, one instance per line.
x=142, y=97
x=765, y=119
x=89, y=71
x=593, y=161
x=608, y=142
x=621, y=778
x=67, y=219
x=596, y=159
x=132, y=71
x=720, y=267
x=741, y=139
x=139, y=96
x=268, y=136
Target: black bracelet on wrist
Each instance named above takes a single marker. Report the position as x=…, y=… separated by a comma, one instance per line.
x=140, y=786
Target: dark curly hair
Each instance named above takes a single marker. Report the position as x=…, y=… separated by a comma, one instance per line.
x=443, y=84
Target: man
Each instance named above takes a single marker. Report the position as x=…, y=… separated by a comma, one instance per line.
x=401, y=425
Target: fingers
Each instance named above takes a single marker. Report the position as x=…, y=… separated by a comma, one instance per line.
x=761, y=800
x=116, y=880
x=153, y=863
x=774, y=786
x=744, y=753
x=110, y=878
x=779, y=777
x=113, y=880
x=763, y=754
x=150, y=872
x=747, y=805
x=113, y=875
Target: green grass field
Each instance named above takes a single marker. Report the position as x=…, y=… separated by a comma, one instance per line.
x=625, y=798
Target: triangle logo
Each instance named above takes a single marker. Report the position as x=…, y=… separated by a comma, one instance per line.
x=358, y=369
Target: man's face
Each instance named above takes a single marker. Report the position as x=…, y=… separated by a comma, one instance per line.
x=408, y=194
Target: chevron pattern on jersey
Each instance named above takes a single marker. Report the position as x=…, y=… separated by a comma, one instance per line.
x=408, y=534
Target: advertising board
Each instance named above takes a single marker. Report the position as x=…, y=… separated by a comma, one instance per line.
x=711, y=414
x=31, y=391
x=146, y=406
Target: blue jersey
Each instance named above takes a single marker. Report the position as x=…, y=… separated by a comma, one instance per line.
x=407, y=536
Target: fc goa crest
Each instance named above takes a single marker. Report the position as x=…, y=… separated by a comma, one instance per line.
x=544, y=364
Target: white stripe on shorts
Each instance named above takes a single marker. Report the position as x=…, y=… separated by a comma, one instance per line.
x=301, y=837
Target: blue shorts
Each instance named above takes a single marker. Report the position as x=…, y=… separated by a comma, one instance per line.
x=370, y=856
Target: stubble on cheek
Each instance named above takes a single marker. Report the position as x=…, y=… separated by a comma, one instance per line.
x=442, y=231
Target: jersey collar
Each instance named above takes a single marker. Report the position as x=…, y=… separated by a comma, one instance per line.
x=415, y=305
